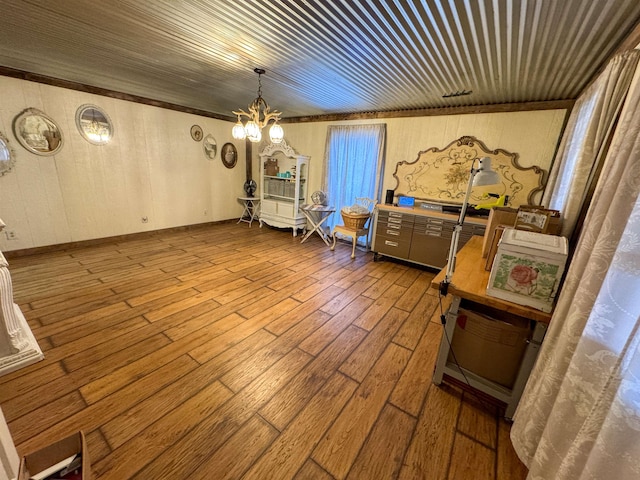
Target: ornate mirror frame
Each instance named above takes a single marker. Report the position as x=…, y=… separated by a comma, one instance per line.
x=94, y=124
x=7, y=155
x=37, y=132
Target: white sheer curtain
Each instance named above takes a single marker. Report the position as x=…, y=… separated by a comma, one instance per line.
x=353, y=165
x=586, y=137
x=579, y=417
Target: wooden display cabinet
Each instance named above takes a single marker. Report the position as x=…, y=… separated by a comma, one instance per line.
x=283, y=187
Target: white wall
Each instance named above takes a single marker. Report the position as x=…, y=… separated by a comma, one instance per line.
x=152, y=168
x=533, y=135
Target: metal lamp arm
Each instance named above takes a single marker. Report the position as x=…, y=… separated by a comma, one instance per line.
x=455, y=237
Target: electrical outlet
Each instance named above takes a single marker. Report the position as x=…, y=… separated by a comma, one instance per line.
x=145, y=219
x=11, y=235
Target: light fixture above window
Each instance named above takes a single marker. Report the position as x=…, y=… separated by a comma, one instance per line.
x=258, y=117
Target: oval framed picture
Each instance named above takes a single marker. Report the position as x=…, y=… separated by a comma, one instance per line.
x=229, y=155
x=196, y=133
x=210, y=147
x=37, y=132
x=94, y=124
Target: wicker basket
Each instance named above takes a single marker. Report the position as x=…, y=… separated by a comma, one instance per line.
x=354, y=221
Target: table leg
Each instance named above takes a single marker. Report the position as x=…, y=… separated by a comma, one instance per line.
x=317, y=227
x=245, y=212
x=447, y=336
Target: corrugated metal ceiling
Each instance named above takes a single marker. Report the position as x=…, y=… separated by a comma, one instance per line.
x=321, y=56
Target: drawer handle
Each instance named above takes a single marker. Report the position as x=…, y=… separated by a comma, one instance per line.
x=395, y=220
x=394, y=214
x=397, y=227
x=391, y=244
x=393, y=232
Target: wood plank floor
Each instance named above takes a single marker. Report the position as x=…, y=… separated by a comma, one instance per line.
x=224, y=351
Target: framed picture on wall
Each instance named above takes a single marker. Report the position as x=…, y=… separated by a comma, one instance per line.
x=37, y=132
x=229, y=155
x=196, y=133
x=210, y=147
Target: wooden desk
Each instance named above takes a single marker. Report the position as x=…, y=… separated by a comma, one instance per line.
x=469, y=282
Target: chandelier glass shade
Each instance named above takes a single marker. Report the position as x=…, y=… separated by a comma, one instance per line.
x=258, y=117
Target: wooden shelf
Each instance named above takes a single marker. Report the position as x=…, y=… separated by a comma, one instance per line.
x=469, y=282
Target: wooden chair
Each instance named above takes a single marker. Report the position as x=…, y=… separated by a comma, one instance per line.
x=355, y=226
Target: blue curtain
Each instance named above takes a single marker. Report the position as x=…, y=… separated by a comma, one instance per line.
x=354, y=165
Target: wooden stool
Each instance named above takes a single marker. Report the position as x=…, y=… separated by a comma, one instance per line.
x=349, y=232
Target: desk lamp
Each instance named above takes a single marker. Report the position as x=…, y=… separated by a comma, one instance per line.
x=483, y=175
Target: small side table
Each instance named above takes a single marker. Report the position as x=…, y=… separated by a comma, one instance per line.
x=317, y=215
x=250, y=212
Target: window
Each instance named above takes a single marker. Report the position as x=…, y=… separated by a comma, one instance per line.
x=355, y=165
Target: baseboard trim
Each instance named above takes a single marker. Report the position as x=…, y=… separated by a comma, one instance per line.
x=98, y=241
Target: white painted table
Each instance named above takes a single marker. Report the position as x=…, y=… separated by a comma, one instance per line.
x=250, y=212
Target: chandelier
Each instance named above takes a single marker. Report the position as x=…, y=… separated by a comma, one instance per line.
x=259, y=116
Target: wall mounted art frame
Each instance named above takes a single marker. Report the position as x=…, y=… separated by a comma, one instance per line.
x=37, y=132
x=7, y=155
x=196, y=132
x=210, y=147
x=441, y=176
x=94, y=124
x=229, y=155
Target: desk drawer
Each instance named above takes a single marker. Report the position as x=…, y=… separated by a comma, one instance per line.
x=394, y=226
x=394, y=247
x=397, y=219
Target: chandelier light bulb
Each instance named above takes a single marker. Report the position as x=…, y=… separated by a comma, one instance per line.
x=276, y=133
x=238, y=131
x=252, y=129
x=255, y=138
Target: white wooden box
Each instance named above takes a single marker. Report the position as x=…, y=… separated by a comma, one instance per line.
x=528, y=268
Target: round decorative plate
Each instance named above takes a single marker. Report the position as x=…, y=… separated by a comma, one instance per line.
x=196, y=133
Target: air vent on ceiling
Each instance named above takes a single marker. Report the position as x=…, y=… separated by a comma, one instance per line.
x=457, y=93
